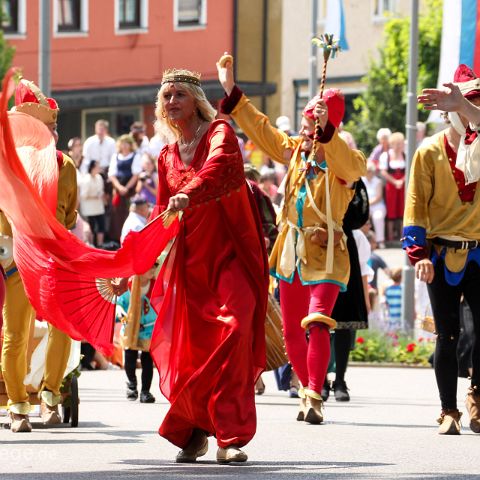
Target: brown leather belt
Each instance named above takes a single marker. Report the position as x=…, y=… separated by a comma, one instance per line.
x=456, y=244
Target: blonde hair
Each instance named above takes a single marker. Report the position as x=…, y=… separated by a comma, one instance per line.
x=396, y=137
x=163, y=125
x=127, y=139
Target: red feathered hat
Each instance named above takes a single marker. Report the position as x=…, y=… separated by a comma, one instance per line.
x=29, y=99
x=336, y=106
x=467, y=81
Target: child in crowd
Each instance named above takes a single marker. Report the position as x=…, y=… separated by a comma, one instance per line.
x=376, y=262
x=393, y=301
x=138, y=318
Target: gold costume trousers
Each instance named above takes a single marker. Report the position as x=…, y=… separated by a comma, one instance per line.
x=17, y=319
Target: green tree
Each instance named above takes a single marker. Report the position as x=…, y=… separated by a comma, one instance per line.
x=6, y=51
x=383, y=104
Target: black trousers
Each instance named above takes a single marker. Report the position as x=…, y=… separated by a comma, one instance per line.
x=343, y=344
x=445, y=300
x=130, y=365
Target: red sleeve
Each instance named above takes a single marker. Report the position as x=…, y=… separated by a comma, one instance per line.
x=228, y=104
x=222, y=171
x=416, y=253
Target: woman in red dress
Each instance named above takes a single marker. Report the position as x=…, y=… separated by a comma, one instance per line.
x=208, y=343
x=392, y=168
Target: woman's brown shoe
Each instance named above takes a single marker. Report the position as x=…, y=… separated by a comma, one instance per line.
x=231, y=454
x=197, y=447
x=449, y=422
x=259, y=387
x=19, y=423
x=472, y=403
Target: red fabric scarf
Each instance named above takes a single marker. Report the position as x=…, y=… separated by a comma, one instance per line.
x=57, y=269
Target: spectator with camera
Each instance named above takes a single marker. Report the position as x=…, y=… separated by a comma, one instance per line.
x=148, y=180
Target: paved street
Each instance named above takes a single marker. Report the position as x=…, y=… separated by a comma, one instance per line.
x=387, y=431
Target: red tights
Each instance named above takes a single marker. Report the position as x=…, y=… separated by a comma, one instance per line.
x=309, y=358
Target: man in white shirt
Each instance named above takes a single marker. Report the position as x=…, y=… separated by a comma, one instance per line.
x=137, y=131
x=137, y=218
x=99, y=147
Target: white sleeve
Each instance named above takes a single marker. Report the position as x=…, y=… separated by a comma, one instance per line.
x=364, y=252
x=112, y=169
x=86, y=156
x=100, y=185
x=137, y=164
x=86, y=147
x=84, y=188
x=113, y=146
x=383, y=161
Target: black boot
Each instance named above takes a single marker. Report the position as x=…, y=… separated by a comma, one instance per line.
x=146, y=397
x=325, y=393
x=341, y=391
x=132, y=392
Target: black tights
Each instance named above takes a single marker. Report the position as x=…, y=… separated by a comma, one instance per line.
x=343, y=345
x=131, y=357
x=445, y=301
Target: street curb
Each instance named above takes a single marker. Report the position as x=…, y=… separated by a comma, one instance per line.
x=386, y=365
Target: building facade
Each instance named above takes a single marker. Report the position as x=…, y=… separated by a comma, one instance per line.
x=108, y=56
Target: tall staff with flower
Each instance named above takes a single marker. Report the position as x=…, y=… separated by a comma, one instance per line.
x=321, y=171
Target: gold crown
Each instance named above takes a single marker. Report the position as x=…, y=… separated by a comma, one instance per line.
x=184, y=76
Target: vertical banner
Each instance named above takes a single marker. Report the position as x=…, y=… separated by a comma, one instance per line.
x=460, y=41
x=335, y=22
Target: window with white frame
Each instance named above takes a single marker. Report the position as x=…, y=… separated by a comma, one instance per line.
x=191, y=13
x=131, y=15
x=382, y=8
x=12, y=17
x=70, y=17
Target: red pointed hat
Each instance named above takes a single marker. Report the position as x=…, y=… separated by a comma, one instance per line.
x=336, y=106
x=467, y=81
x=29, y=99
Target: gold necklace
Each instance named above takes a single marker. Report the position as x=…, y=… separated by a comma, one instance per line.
x=188, y=145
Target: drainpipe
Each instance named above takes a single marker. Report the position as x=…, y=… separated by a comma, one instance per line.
x=44, y=32
x=264, y=55
x=235, y=40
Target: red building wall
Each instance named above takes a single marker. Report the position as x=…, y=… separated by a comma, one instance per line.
x=102, y=59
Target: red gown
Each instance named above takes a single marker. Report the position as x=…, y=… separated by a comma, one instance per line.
x=209, y=340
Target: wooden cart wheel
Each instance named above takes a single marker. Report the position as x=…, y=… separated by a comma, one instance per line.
x=66, y=414
x=74, y=401
x=70, y=411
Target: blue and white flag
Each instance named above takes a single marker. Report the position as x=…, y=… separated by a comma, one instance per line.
x=335, y=22
x=460, y=38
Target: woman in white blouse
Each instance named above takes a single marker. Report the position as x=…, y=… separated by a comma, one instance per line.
x=92, y=207
x=378, y=210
